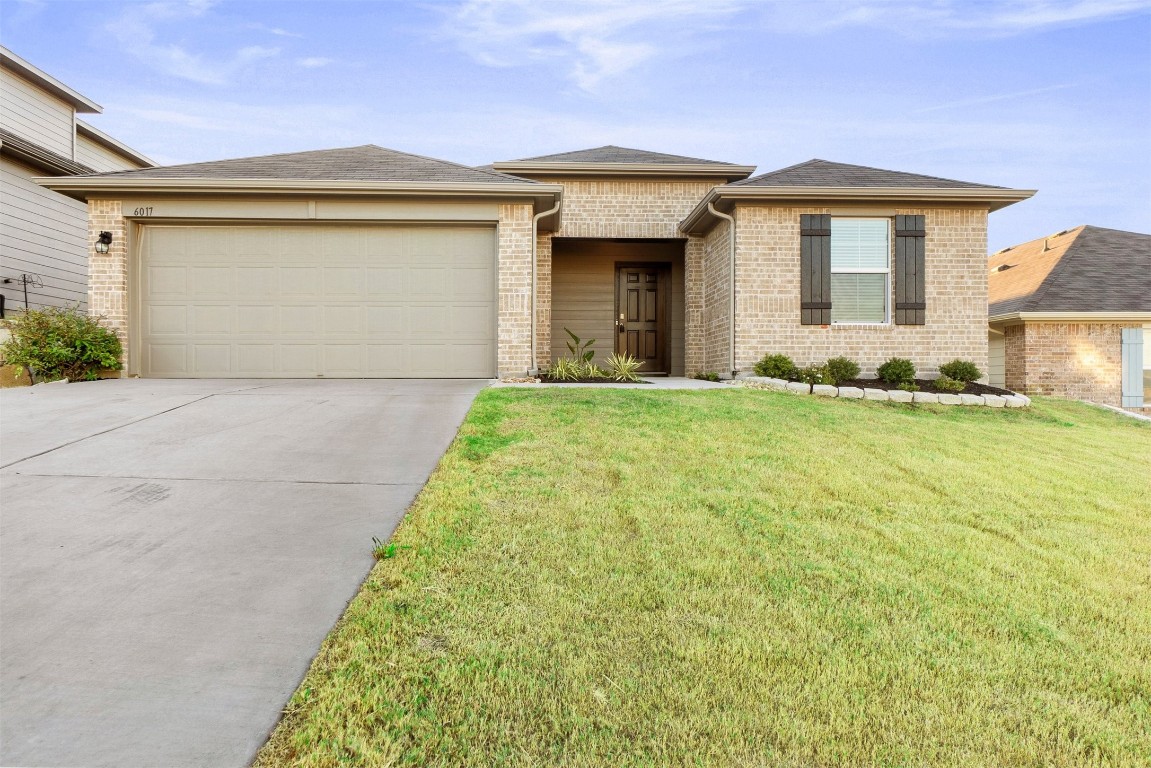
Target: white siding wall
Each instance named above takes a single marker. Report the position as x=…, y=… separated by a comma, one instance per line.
x=42, y=233
x=35, y=115
x=996, y=375
x=99, y=158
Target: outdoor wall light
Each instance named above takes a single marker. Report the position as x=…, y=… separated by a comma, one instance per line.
x=103, y=242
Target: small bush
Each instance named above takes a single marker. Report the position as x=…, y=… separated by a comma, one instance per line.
x=776, y=367
x=814, y=374
x=61, y=343
x=897, y=370
x=948, y=384
x=842, y=369
x=565, y=369
x=908, y=386
x=707, y=376
x=961, y=370
x=622, y=367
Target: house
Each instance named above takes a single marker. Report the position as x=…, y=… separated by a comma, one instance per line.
x=368, y=262
x=43, y=245
x=1070, y=314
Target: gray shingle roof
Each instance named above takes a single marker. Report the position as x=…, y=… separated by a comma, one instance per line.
x=1087, y=269
x=822, y=173
x=613, y=154
x=366, y=163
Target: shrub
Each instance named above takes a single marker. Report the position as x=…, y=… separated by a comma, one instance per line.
x=565, y=369
x=897, y=370
x=814, y=374
x=948, y=384
x=581, y=350
x=61, y=343
x=961, y=370
x=776, y=367
x=707, y=376
x=842, y=369
x=908, y=386
x=622, y=367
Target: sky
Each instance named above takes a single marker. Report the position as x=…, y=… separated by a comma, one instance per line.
x=1053, y=95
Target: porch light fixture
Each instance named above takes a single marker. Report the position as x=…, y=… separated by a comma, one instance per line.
x=103, y=242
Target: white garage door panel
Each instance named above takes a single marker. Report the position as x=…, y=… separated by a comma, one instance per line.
x=333, y=301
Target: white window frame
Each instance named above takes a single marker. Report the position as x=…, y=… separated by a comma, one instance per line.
x=869, y=271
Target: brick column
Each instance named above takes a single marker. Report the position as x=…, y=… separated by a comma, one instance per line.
x=693, y=306
x=513, y=334
x=108, y=272
x=543, y=301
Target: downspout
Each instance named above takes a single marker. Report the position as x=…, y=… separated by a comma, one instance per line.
x=533, y=366
x=731, y=290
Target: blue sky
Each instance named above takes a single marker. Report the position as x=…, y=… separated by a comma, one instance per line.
x=1046, y=94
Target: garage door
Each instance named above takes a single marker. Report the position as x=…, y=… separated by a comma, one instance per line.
x=309, y=301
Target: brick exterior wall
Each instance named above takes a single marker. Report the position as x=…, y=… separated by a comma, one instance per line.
x=716, y=297
x=767, y=295
x=108, y=272
x=514, y=260
x=1079, y=361
x=610, y=208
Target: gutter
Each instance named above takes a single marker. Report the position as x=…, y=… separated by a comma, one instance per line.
x=731, y=289
x=533, y=365
x=80, y=187
x=1072, y=317
x=995, y=198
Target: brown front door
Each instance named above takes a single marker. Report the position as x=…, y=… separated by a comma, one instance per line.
x=641, y=315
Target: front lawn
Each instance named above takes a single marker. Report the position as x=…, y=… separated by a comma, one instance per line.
x=749, y=578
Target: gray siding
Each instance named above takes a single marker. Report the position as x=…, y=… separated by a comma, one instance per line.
x=33, y=114
x=99, y=158
x=584, y=286
x=42, y=233
x=996, y=371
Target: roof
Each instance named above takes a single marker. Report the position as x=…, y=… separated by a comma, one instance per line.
x=365, y=163
x=824, y=182
x=824, y=173
x=41, y=78
x=614, y=154
x=1084, y=270
x=611, y=160
x=39, y=157
x=115, y=145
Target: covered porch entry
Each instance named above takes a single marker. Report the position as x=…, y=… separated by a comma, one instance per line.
x=626, y=293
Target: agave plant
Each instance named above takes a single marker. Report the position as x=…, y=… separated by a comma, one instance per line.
x=622, y=367
x=565, y=369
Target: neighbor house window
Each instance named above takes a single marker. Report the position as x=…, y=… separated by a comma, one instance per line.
x=860, y=270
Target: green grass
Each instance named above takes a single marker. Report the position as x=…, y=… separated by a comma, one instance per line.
x=748, y=578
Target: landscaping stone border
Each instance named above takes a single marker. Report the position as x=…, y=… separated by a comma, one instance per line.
x=894, y=395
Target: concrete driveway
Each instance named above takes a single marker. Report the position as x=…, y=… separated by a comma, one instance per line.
x=172, y=553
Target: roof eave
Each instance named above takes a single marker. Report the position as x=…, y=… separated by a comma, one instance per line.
x=700, y=219
x=543, y=196
x=1070, y=317
x=38, y=157
x=44, y=80
x=647, y=170
x=103, y=139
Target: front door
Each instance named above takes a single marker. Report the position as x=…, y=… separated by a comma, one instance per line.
x=641, y=314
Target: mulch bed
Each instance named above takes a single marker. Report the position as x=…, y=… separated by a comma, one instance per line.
x=549, y=380
x=927, y=385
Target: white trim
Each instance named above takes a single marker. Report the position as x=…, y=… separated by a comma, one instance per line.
x=39, y=77
x=98, y=136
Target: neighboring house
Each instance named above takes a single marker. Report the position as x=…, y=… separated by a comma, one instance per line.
x=365, y=262
x=43, y=235
x=1070, y=316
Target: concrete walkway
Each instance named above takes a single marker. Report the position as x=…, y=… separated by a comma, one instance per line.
x=172, y=553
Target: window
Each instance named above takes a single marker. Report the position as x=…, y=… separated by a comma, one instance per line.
x=860, y=270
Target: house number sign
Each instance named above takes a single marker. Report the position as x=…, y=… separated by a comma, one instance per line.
x=144, y=210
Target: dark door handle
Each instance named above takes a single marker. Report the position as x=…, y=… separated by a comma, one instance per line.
x=621, y=328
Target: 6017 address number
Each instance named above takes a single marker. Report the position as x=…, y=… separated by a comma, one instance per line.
x=143, y=211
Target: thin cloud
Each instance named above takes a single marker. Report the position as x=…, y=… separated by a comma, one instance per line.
x=277, y=31
x=951, y=18
x=993, y=99
x=136, y=31
x=592, y=40
x=314, y=62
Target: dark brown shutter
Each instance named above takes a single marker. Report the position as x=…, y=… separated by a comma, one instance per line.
x=910, y=301
x=815, y=269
